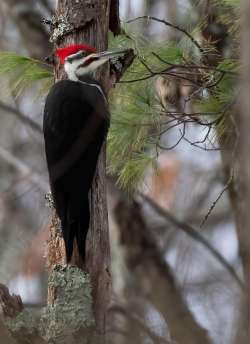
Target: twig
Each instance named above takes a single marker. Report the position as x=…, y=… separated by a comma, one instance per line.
x=163, y=72
x=193, y=233
x=176, y=27
x=188, y=66
x=217, y=200
x=206, y=149
x=179, y=140
x=127, y=313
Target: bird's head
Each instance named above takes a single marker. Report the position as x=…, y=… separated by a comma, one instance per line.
x=82, y=59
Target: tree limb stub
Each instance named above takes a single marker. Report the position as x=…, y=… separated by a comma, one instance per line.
x=67, y=321
x=11, y=305
x=114, y=22
x=71, y=312
x=19, y=322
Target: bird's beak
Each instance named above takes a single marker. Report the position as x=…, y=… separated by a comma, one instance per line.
x=107, y=55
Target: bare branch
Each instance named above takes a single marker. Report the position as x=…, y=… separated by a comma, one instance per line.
x=11, y=304
x=225, y=188
x=23, y=118
x=176, y=27
x=137, y=322
x=114, y=18
x=193, y=233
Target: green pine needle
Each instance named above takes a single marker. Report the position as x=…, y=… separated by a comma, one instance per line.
x=24, y=72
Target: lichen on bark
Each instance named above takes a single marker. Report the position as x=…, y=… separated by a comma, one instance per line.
x=24, y=327
x=68, y=319
x=71, y=310
x=61, y=27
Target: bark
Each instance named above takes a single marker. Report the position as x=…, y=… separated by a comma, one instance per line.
x=88, y=21
x=243, y=175
x=152, y=277
x=5, y=337
x=234, y=156
x=11, y=305
x=234, y=143
x=68, y=320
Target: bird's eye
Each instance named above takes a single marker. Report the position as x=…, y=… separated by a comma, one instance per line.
x=79, y=55
x=82, y=54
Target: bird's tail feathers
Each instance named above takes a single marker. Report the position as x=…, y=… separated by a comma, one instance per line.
x=76, y=229
x=82, y=230
x=81, y=234
x=69, y=233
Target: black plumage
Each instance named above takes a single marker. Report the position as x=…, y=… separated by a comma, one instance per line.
x=76, y=122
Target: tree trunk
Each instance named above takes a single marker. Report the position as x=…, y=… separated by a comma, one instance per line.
x=78, y=296
x=243, y=178
x=88, y=22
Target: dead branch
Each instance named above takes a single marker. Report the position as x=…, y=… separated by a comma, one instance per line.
x=11, y=305
x=118, y=309
x=189, y=230
x=152, y=276
x=55, y=323
x=114, y=18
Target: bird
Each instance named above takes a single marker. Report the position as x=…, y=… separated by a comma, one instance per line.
x=75, y=125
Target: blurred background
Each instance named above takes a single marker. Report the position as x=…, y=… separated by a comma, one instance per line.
x=189, y=181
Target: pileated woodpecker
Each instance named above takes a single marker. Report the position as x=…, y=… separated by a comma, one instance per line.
x=76, y=122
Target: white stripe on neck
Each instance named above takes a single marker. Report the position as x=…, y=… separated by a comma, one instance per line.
x=94, y=85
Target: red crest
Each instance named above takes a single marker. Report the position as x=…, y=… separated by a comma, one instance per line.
x=63, y=53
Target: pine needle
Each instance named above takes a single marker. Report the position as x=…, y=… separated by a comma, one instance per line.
x=24, y=72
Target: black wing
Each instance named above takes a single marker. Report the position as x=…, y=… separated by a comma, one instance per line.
x=76, y=122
